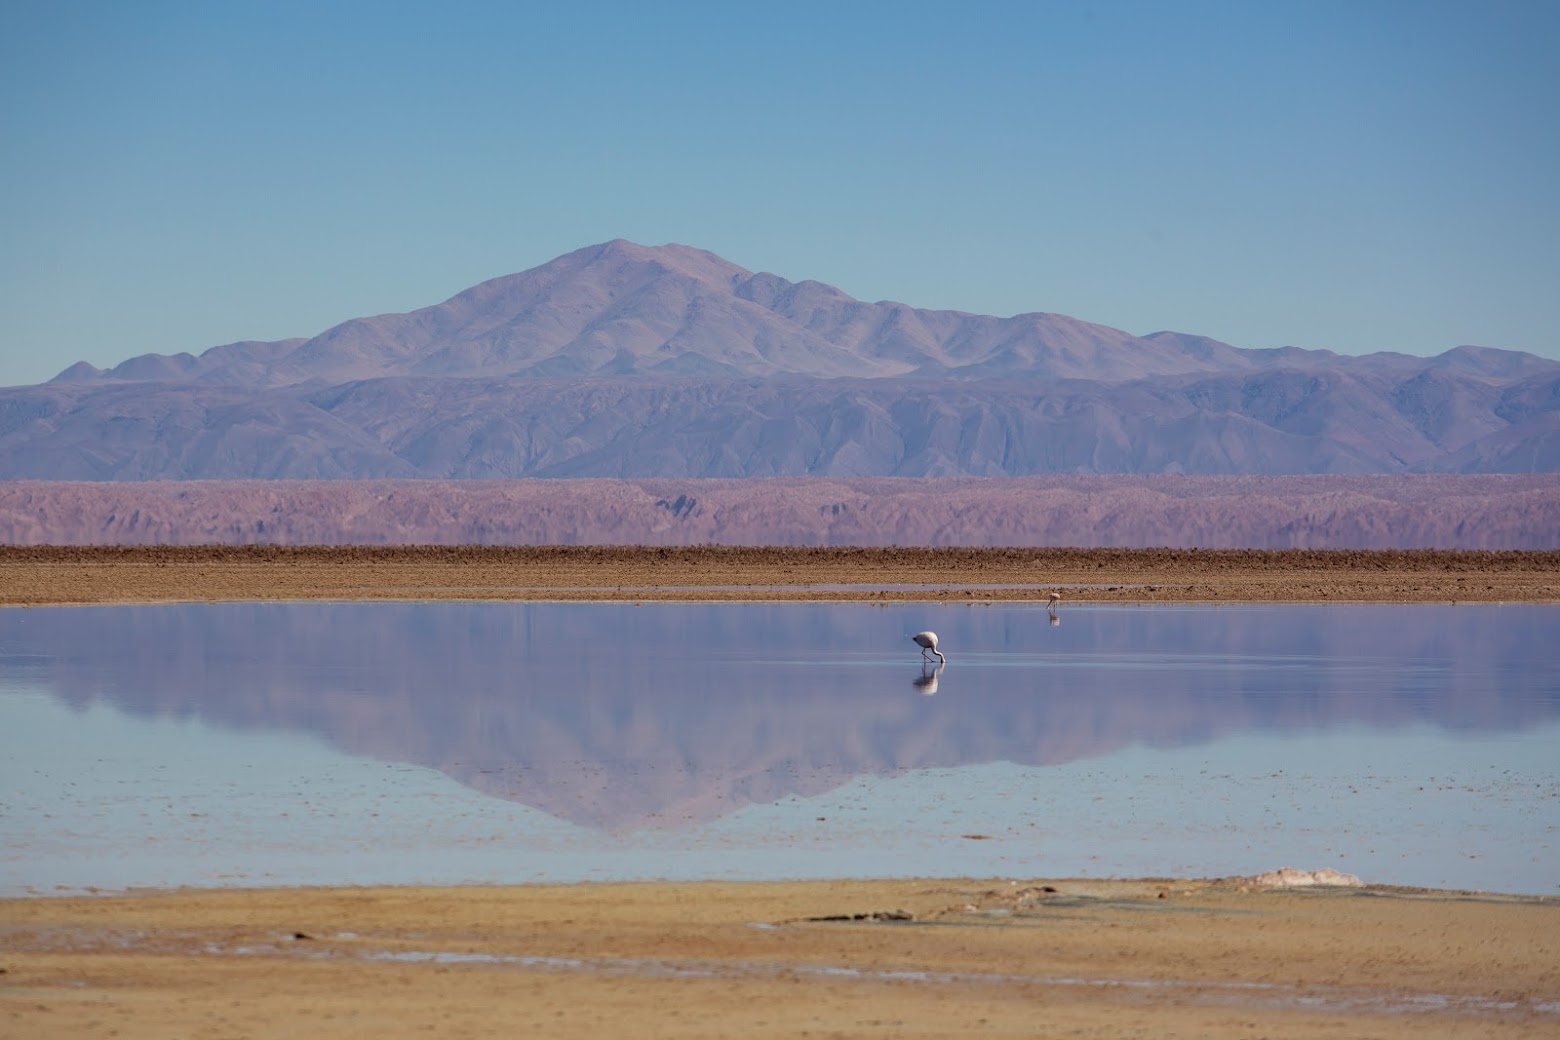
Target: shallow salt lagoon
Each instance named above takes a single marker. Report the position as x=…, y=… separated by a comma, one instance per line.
x=441, y=743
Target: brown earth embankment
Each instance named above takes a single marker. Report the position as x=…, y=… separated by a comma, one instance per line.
x=75, y=574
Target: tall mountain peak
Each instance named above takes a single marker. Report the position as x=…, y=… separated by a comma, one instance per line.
x=620, y=308
x=626, y=360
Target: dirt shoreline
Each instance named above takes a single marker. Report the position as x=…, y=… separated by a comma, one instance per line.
x=943, y=958
x=38, y=575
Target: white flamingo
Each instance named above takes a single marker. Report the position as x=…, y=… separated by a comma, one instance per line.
x=928, y=641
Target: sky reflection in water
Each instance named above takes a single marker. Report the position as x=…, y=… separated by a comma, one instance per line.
x=447, y=742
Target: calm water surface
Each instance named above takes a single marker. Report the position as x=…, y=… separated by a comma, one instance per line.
x=311, y=743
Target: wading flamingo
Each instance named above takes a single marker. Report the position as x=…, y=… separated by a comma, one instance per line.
x=928, y=641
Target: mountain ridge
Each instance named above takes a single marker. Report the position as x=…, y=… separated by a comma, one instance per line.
x=627, y=361
x=619, y=308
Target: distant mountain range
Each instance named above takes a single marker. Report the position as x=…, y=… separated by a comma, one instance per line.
x=1376, y=511
x=620, y=360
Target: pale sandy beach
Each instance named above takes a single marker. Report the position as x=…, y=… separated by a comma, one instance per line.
x=994, y=957
x=1000, y=957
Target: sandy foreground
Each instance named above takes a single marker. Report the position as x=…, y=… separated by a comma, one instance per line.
x=947, y=958
x=853, y=958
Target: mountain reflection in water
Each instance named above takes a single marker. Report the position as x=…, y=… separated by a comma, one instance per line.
x=617, y=716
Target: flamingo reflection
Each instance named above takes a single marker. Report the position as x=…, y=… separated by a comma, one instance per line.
x=926, y=682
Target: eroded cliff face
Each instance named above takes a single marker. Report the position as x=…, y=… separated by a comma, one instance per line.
x=1371, y=512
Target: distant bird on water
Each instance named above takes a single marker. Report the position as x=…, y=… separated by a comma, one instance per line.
x=928, y=641
x=1053, y=599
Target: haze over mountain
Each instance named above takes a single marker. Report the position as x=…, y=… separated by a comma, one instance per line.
x=621, y=360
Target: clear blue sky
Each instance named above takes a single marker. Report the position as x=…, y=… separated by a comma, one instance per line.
x=1353, y=175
